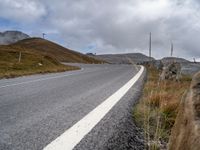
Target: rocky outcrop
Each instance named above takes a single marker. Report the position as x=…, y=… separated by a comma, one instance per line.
x=9, y=37
x=187, y=67
x=186, y=131
x=172, y=72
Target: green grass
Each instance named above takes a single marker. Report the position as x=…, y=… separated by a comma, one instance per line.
x=156, y=111
x=31, y=63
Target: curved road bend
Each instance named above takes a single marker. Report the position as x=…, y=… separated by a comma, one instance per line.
x=35, y=110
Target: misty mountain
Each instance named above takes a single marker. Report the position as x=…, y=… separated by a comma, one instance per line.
x=9, y=37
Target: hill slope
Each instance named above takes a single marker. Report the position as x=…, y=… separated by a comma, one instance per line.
x=30, y=63
x=37, y=56
x=53, y=50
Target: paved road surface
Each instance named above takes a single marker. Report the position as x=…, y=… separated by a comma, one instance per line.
x=35, y=110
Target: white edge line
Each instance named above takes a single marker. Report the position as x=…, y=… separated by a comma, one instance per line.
x=41, y=79
x=71, y=137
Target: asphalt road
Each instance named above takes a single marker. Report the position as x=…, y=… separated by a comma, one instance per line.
x=35, y=110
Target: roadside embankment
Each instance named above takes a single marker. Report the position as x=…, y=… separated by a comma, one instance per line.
x=186, y=131
x=156, y=112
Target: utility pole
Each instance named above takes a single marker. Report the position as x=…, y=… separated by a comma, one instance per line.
x=172, y=49
x=194, y=60
x=150, y=46
x=43, y=35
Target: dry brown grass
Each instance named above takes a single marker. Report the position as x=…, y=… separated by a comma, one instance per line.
x=60, y=53
x=157, y=109
x=29, y=64
x=37, y=51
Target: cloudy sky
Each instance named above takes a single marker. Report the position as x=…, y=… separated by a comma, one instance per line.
x=109, y=26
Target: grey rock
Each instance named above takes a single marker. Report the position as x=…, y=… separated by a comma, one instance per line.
x=172, y=71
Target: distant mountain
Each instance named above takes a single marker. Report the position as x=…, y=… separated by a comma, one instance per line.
x=167, y=60
x=123, y=58
x=187, y=67
x=9, y=37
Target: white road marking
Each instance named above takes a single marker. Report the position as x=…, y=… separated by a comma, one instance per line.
x=71, y=137
x=41, y=79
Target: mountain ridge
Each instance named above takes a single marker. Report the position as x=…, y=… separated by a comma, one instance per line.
x=126, y=58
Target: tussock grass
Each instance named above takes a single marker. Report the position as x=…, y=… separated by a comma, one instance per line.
x=157, y=109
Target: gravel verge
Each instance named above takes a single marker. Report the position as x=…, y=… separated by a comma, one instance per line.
x=117, y=130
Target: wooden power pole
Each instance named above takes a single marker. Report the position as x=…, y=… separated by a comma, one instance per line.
x=150, y=46
x=172, y=49
x=194, y=60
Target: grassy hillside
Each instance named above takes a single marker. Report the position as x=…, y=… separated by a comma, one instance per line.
x=37, y=56
x=30, y=63
x=53, y=50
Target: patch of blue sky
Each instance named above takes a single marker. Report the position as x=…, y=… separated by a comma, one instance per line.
x=6, y=24
x=90, y=48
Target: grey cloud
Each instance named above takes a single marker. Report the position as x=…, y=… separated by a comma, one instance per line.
x=117, y=26
x=22, y=10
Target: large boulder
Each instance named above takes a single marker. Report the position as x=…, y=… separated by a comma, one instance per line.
x=186, y=131
x=172, y=71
